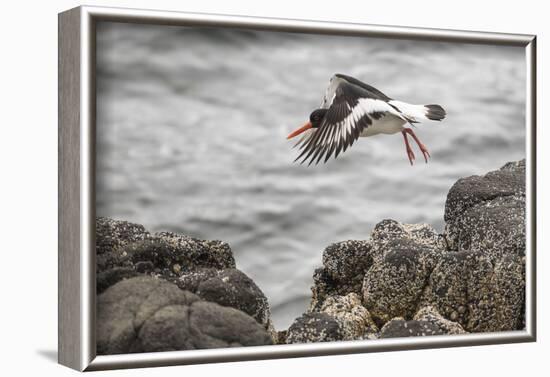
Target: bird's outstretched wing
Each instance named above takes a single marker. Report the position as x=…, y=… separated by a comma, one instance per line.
x=351, y=109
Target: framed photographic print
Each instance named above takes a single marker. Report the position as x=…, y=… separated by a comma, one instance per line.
x=236, y=188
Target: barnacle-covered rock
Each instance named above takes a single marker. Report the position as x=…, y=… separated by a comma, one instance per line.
x=394, y=284
x=467, y=288
x=355, y=320
x=315, y=327
x=113, y=234
x=489, y=222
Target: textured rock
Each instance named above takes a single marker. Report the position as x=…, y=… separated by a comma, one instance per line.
x=174, y=255
x=191, y=280
x=427, y=321
x=355, y=320
x=496, y=228
x=113, y=234
x=395, y=283
x=204, y=325
x=233, y=288
x=109, y=260
x=389, y=230
x=472, y=278
x=200, y=253
x=315, y=327
x=215, y=326
x=471, y=191
x=324, y=286
x=206, y=268
x=345, y=261
x=457, y=288
x=145, y=314
x=430, y=314
x=112, y=276
x=509, y=283
x=123, y=308
x=466, y=288
x=228, y=287
x=344, y=266
x=400, y=328
x=515, y=166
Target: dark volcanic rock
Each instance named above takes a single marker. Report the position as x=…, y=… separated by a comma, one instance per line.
x=515, y=166
x=228, y=287
x=201, y=326
x=399, y=328
x=191, y=280
x=112, y=276
x=430, y=314
x=323, y=287
x=427, y=321
x=206, y=268
x=145, y=314
x=509, y=282
x=123, y=308
x=496, y=228
x=348, y=260
x=174, y=255
x=395, y=282
x=355, y=320
x=475, y=190
x=344, y=266
x=389, y=230
x=315, y=327
x=219, y=326
x=233, y=288
x=113, y=234
x=109, y=260
x=200, y=253
x=466, y=288
x=458, y=287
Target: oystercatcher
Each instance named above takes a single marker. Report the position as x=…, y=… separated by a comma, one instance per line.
x=350, y=109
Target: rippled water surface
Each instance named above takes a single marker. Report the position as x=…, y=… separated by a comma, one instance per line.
x=192, y=126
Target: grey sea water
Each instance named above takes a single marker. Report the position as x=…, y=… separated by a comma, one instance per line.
x=191, y=131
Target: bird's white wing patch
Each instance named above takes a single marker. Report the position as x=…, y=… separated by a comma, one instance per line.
x=378, y=105
x=366, y=106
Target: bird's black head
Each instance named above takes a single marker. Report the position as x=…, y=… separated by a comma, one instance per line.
x=315, y=120
x=316, y=117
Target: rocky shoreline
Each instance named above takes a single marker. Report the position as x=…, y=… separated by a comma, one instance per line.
x=165, y=291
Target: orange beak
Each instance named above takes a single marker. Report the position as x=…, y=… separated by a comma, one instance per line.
x=297, y=132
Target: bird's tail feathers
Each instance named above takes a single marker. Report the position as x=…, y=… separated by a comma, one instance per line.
x=418, y=113
x=435, y=112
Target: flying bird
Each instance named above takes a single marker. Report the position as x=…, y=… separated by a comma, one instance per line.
x=351, y=109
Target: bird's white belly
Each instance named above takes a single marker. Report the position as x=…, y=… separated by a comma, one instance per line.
x=388, y=125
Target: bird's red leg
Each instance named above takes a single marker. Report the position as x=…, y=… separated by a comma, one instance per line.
x=420, y=145
x=410, y=152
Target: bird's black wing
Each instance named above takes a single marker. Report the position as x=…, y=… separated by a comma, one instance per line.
x=351, y=109
x=373, y=92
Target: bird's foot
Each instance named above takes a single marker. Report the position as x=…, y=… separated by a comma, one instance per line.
x=422, y=147
x=411, y=156
x=410, y=153
x=425, y=152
